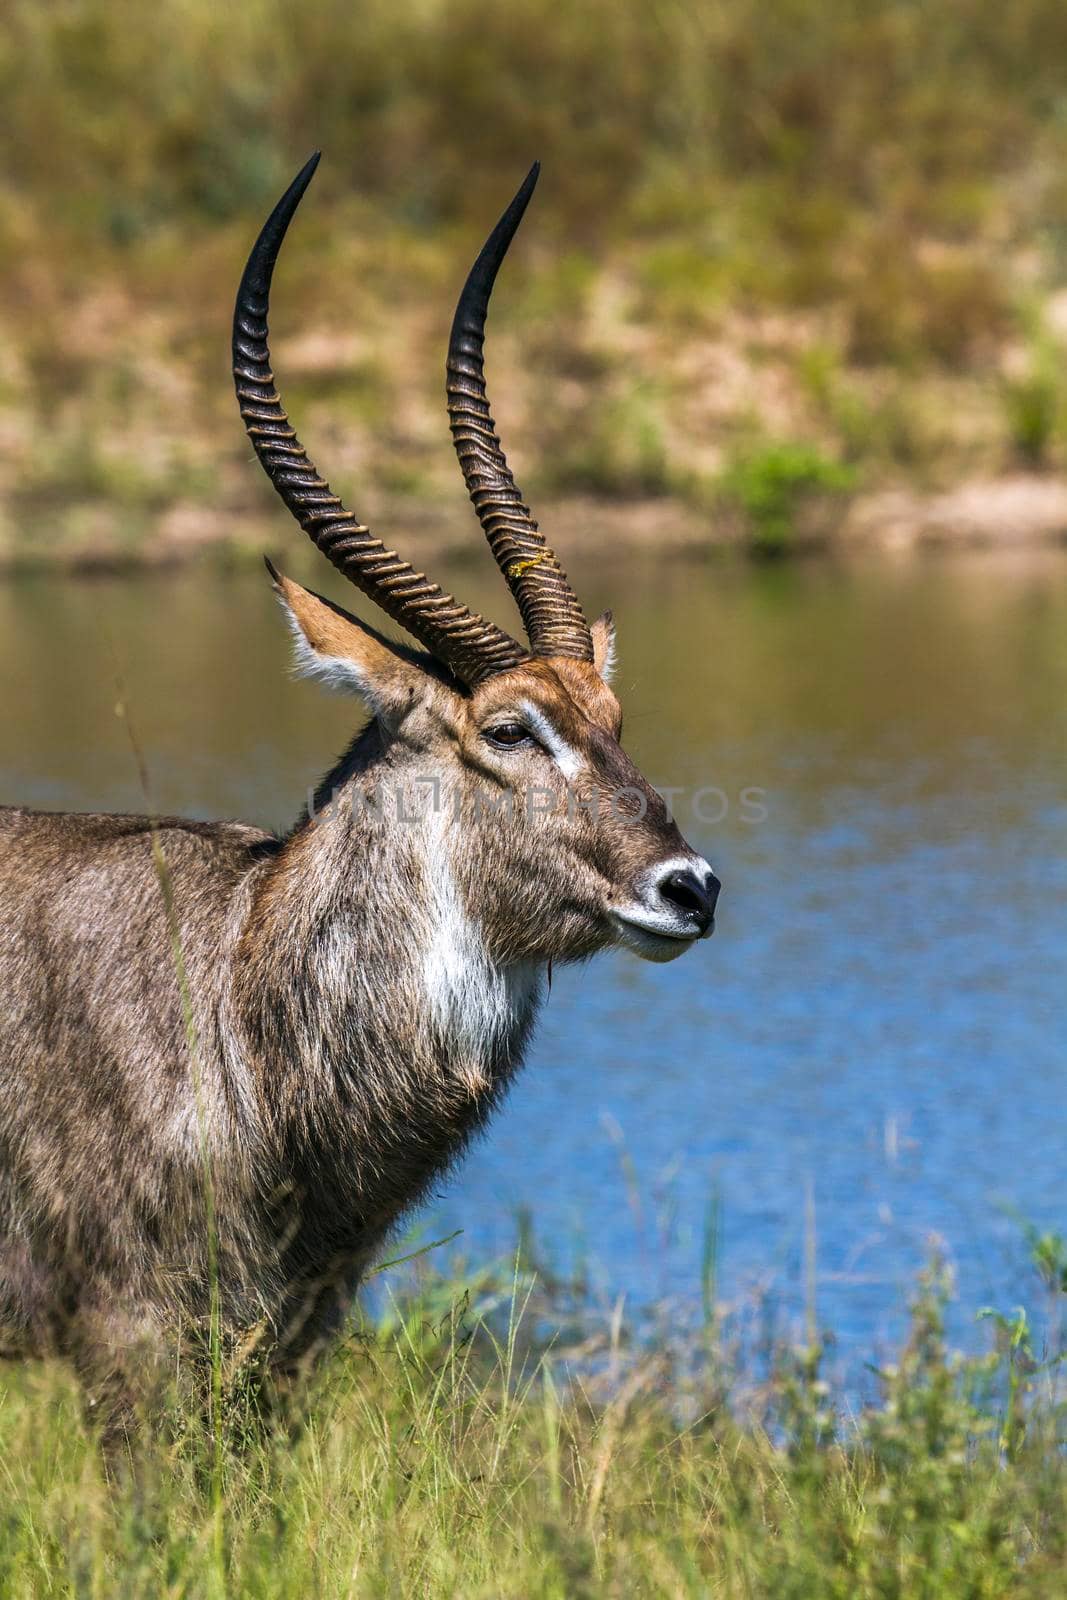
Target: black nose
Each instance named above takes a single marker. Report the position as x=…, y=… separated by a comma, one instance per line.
x=694, y=896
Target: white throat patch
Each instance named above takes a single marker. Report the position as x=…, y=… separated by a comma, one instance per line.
x=472, y=1004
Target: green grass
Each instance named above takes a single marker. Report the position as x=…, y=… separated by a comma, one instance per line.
x=493, y=1435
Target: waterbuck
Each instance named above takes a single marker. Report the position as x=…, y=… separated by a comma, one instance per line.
x=235, y=1060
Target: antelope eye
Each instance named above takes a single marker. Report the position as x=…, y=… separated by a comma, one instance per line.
x=506, y=735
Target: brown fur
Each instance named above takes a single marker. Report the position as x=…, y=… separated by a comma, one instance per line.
x=316, y=1024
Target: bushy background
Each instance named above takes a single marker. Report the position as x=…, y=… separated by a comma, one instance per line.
x=788, y=253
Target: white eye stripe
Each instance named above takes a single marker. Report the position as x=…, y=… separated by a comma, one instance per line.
x=564, y=755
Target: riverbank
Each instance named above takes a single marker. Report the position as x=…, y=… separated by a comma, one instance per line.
x=630, y=426
x=778, y=288
x=1011, y=513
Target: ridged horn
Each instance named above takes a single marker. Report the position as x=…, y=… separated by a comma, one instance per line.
x=550, y=610
x=473, y=648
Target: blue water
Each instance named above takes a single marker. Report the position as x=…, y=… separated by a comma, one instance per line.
x=891, y=1037
x=876, y=1036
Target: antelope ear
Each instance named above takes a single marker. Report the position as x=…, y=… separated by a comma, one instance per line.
x=344, y=653
x=603, y=632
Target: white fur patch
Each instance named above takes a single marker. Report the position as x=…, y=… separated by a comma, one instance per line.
x=472, y=1003
x=606, y=666
x=334, y=672
x=649, y=925
x=564, y=755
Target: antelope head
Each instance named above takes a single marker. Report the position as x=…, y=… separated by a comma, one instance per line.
x=556, y=842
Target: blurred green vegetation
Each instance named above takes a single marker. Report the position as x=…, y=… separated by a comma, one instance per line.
x=829, y=224
x=772, y=487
